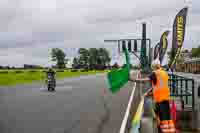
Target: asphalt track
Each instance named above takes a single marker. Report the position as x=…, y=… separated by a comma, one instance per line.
x=79, y=105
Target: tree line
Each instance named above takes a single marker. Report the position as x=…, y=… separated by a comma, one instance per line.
x=92, y=58
x=26, y=66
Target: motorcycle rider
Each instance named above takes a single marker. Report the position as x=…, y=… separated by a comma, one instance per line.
x=51, y=76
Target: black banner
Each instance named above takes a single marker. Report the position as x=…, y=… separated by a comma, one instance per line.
x=156, y=50
x=163, y=45
x=178, y=35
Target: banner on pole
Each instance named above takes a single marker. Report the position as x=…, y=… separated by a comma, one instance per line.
x=178, y=34
x=163, y=45
x=156, y=51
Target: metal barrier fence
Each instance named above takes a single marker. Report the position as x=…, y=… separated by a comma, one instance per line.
x=182, y=87
x=134, y=107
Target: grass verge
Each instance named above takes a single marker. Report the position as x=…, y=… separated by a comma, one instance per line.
x=13, y=78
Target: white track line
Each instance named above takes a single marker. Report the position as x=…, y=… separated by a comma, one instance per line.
x=123, y=125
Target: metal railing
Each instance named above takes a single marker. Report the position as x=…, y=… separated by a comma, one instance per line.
x=182, y=87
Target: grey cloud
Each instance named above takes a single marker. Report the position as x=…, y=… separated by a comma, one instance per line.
x=132, y=12
x=195, y=6
x=29, y=28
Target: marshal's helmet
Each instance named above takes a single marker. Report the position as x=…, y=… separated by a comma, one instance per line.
x=155, y=64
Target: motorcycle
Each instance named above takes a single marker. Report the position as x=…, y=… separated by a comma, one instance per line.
x=51, y=83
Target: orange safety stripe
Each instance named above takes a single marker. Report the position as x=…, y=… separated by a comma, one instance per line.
x=172, y=130
x=168, y=130
x=171, y=125
x=164, y=126
x=164, y=122
x=167, y=126
x=171, y=121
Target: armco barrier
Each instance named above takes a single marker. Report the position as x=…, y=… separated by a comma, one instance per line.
x=133, y=119
x=136, y=122
x=136, y=103
x=127, y=117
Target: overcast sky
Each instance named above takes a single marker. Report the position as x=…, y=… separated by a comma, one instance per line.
x=30, y=28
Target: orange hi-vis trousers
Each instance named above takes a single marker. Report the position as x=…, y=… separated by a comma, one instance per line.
x=167, y=126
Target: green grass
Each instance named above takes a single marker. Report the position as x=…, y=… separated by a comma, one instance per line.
x=65, y=74
x=13, y=78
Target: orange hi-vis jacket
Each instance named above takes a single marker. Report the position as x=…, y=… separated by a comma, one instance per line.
x=161, y=90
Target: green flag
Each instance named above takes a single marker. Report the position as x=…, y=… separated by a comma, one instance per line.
x=118, y=78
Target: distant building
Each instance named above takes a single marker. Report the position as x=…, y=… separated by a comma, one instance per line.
x=190, y=65
x=187, y=55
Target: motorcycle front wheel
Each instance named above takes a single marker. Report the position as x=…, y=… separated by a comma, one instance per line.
x=51, y=89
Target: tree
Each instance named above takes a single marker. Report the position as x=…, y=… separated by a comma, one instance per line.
x=180, y=58
x=93, y=58
x=83, y=57
x=196, y=52
x=75, y=64
x=59, y=56
x=103, y=58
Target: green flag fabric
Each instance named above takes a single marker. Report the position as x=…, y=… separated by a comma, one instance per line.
x=118, y=78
